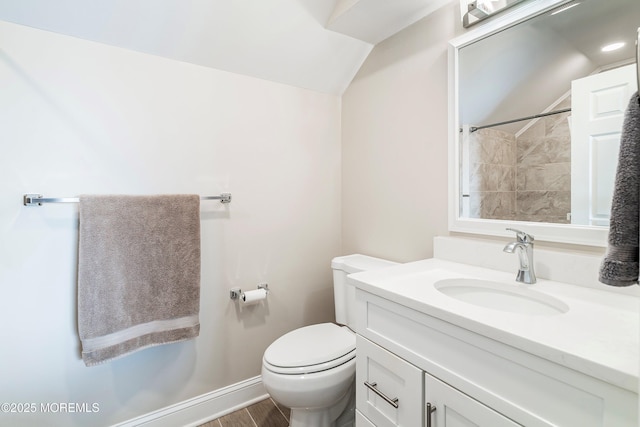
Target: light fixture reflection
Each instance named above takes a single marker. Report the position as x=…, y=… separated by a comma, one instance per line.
x=612, y=47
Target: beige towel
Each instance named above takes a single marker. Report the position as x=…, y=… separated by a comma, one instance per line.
x=138, y=273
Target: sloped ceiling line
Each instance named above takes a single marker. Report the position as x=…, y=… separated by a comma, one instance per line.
x=285, y=41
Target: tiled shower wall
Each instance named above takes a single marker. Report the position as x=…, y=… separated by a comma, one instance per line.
x=524, y=178
x=543, y=170
x=492, y=176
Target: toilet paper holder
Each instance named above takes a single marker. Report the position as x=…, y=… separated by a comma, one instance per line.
x=236, y=293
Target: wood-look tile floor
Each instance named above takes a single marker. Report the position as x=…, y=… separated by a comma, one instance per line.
x=266, y=413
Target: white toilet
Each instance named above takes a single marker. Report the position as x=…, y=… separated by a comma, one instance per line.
x=312, y=369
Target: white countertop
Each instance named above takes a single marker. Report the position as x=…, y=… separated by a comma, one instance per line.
x=598, y=336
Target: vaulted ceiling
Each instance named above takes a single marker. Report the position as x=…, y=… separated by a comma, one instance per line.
x=313, y=44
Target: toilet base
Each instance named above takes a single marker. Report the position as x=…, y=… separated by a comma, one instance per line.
x=340, y=415
x=348, y=416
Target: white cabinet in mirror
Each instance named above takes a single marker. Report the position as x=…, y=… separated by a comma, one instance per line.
x=536, y=109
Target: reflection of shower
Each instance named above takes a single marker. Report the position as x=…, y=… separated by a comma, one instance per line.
x=465, y=172
x=490, y=163
x=521, y=119
x=522, y=176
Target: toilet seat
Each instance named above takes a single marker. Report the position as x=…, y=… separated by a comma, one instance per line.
x=311, y=349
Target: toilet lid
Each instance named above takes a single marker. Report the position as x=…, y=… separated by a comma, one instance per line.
x=312, y=345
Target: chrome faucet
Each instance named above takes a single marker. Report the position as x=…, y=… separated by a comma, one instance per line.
x=524, y=247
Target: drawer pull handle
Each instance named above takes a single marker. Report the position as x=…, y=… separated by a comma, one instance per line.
x=372, y=386
x=430, y=409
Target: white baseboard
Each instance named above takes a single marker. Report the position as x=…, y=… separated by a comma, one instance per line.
x=203, y=408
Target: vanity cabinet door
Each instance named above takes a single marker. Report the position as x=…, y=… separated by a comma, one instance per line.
x=389, y=390
x=362, y=421
x=456, y=409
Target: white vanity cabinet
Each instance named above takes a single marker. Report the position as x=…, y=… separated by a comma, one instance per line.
x=392, y=393
x=471, y=379
x=389, y=389
x=455, y=409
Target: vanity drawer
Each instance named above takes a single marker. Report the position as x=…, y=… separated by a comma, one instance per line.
x=523, y=387
x=389, y=390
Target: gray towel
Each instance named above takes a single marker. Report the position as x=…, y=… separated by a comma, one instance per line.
x=620, y=264
x=138, y=273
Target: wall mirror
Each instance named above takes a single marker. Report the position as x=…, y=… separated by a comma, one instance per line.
x=536, y=109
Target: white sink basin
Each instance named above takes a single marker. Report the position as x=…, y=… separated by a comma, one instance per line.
x=500, y=296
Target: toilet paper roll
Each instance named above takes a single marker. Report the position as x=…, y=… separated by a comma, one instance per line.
x=253, y=297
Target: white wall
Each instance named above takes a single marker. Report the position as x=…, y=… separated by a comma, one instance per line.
x=79, y=117
x=394, y=143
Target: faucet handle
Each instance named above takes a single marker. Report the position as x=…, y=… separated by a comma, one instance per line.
x=522, y=236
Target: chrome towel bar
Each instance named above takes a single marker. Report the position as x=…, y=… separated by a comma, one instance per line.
x=38, y=199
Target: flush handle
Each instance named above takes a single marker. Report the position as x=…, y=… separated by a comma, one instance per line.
x=373, y=387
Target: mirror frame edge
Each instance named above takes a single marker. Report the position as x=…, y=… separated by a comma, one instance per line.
x=558, y=233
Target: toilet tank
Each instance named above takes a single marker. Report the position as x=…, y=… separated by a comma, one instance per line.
x=345, y=293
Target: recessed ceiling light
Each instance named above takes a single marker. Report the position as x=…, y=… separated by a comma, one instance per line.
x=565, y=8
x=612, y=46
